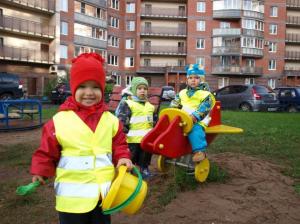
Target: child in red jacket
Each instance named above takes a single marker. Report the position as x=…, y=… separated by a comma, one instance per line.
x=81, y=145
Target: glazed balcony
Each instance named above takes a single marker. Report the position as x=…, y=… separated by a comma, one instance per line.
x=252, y=33
x=293, y=21
x=47, y=6
x=226, y=32
x=162, y=50
x=236, y=70
x=292, y=55
x=26, y=27
x=290, y=4
x=164, y=13
x=252, y=52
x=227, y=14
x=26, y=55
x=163, y=31
x=226, y=50
x=292, y=38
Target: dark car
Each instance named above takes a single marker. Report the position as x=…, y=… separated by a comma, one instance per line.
x=10, y=86
x=60, y=93
x=247, y=98
x=289, y=98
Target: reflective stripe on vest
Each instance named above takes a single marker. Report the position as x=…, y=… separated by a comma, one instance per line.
x=85, y=169
x=191, y=104
x=141, y=121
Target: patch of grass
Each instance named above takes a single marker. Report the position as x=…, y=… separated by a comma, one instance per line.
x=48, y=112
x=217, y=174
x=297, y=188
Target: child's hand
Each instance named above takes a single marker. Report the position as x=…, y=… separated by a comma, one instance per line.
x=38, y=178
x=126, y=162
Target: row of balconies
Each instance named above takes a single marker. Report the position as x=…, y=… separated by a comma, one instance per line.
x=293, y=3
x=163, y=31
x=26, y=55
x=292, y=55
x=28, y=27
x=293, y=21
x=163, y=50
x=47, y=6
x=162, y=13
x=292, y=38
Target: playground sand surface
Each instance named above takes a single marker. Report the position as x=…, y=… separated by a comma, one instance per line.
x=256, y=192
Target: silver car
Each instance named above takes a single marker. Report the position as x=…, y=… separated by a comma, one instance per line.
x=247, y=98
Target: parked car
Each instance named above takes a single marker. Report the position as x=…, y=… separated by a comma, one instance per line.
x=247, y=98
x=10, y=86
x=60, y=93
x=289, y=98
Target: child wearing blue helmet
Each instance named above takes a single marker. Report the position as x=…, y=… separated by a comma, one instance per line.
x=197, y=101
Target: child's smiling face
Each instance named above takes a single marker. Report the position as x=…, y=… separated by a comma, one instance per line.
x=142, y=91
x=88, y=93
x=193, y=81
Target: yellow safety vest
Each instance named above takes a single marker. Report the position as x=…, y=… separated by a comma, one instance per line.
x=141, y=121
x=85, y=169
x=191, y=104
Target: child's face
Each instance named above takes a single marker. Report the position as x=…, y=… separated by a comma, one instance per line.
x=88, y=93
x=142, y=91
x=193, y=81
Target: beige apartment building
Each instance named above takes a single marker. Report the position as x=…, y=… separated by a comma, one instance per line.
x=28, y=41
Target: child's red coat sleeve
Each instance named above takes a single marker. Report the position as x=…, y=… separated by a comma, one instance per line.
x=46, y=157
x=119, y=145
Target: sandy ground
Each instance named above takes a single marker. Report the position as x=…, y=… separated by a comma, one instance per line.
x=256, y=192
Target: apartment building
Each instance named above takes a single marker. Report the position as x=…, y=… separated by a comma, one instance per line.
x=28, y=41
x=292, y=51
x=83, y=28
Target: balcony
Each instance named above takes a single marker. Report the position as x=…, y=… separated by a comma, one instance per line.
x=293, y=21
x=163, y=31
x=253, y=33
x=91, y=42
x=226, y=50
x=85, y=19
x=292, y=55
x=162, y=50
x=47, y=6
x=292, y=38
x=290, y=4
x=236, y=70
x=160, y=68
x=226, y=32
x=164, y=13
x=253, y=14
x=26, y=27
x=227, y=14
x=26, y=55
x=252, y=52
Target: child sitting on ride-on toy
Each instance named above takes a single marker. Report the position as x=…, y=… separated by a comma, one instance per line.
x=197, y=101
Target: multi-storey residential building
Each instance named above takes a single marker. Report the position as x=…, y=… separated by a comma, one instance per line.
x=28, y=41
x=83, y=28
x=292, y=51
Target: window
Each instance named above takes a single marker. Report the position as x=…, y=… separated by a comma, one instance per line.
x=87, y=31
x=200, y=61
x=249, y=81
x=200, y=44
x=272, y=47
x=64, y=5
x=273, y=29
x=63, y=28
x=63, y=51
x=274, y=11
x=250, y=62
x=222, y=82
x=200, y=6
x=129, y=62
x=272, y=83
x=114, y=22
x=272, y=64
x=130, y=25
x=130, y=7
x=84, y=49
x=114, y=4
x=147, y=62
x=113, y=41
x=129, y=44
x=113, y=60
x=224, y=25
x=116, y=77
x=128, y=80
x=201, y=25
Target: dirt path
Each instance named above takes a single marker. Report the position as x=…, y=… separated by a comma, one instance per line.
x=257, y=192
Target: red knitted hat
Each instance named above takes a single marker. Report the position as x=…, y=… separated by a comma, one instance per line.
x=86, y=67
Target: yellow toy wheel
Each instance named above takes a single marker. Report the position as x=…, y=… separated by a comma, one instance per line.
x=186, y=120
x=162, y=164
x=202, y=170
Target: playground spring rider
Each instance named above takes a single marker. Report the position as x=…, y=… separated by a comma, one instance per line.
x=169, y=138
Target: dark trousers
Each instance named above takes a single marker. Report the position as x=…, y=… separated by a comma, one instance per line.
x=93, y=217
x=138, y=156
